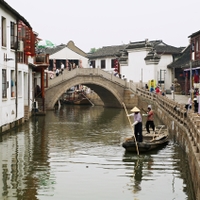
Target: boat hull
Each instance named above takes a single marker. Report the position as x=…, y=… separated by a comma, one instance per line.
x=145, y=146
x=82, y=102
x=150, y=142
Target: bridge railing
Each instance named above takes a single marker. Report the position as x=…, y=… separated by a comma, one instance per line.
x=187, y=118
x=67, y=75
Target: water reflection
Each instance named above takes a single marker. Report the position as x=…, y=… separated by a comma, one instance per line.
x=76, y=153
x=160, y=170
x=139, y=164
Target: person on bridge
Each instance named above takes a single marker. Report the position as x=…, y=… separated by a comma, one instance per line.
x=137, y=124
x=62, y=67
x=57, y=72
x=150, y=119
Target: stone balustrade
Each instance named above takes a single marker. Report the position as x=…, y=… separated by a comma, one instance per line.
x=186, y=129
x=189, y=119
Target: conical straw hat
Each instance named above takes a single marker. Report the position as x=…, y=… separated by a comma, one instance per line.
x=135, y=109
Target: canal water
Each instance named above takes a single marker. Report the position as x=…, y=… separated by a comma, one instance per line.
x=75, y=153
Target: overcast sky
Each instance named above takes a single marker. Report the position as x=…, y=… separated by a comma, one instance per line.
x=98, y=23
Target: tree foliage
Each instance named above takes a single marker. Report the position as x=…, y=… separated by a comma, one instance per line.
x=92, y=50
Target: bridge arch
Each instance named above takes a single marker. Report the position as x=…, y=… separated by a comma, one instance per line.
x=109, y=90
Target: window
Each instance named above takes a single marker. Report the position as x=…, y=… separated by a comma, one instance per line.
x=12, y=84
x=114, y=63
x=12, y=35
x=197, y=45
x=20, y=57
x=103, y=64
x=19, y=83
x=92, y=62
x=4, y=84
x=21, y=32
x=3, y=32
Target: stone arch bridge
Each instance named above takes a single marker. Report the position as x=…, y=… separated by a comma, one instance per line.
x=112, y=90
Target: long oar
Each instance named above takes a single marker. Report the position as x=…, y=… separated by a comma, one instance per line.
x=131, y=127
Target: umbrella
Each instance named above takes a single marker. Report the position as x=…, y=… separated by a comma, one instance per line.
x=45, y=44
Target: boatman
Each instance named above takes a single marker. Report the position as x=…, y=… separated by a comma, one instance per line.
x=150, y=119
x=137, y=124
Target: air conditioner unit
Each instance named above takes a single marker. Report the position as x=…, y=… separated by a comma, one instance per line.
x=20, y=46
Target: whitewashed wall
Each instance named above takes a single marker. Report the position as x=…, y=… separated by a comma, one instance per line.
x=164, y=61
x=8, y=105
x=138, y=71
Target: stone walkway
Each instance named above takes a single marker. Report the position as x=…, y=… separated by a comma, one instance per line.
x=182, y=99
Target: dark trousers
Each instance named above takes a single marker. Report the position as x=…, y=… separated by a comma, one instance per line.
x=150, y=124
x=138, y=132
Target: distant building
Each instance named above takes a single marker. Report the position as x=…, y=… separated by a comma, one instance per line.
x=66, y=54
x=188, y=60
x=140, y=61
x=180, y=68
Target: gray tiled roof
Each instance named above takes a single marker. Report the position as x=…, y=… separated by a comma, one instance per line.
x=70, y=45
x=53, y=50
x=194, y=34
x=183, y=60
x=158, y=45
x=142, y=44
x=108, y=51
x=167, y=49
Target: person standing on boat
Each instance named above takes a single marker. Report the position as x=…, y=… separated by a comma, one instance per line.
x=137, y=124
x=150, y=119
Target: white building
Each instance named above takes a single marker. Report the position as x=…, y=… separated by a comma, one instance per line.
x=140, y=62
x=67, y=53
x=17, y=48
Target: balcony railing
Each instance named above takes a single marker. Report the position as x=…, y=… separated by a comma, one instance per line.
x=41, y=59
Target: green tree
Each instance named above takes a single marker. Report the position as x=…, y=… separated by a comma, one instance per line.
x=92, y=50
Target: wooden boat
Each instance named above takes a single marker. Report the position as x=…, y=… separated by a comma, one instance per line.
x=67, y=101
x=83, y=101
x=150, y=141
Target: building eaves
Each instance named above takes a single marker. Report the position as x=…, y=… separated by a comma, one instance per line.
x=194, y=34
x=183, y=61
x=167, y=49
x=14, y=12
x=142, y=44
x=71, y=45
x=53, y=50
x=107, y=51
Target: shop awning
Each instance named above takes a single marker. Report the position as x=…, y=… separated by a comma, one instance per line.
x=188, y=69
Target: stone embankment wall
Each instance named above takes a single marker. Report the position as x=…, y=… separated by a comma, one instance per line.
x=184, y=128
x=7, y=127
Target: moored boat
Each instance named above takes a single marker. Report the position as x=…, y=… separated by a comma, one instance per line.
x=83, y=101
x=150, y=141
